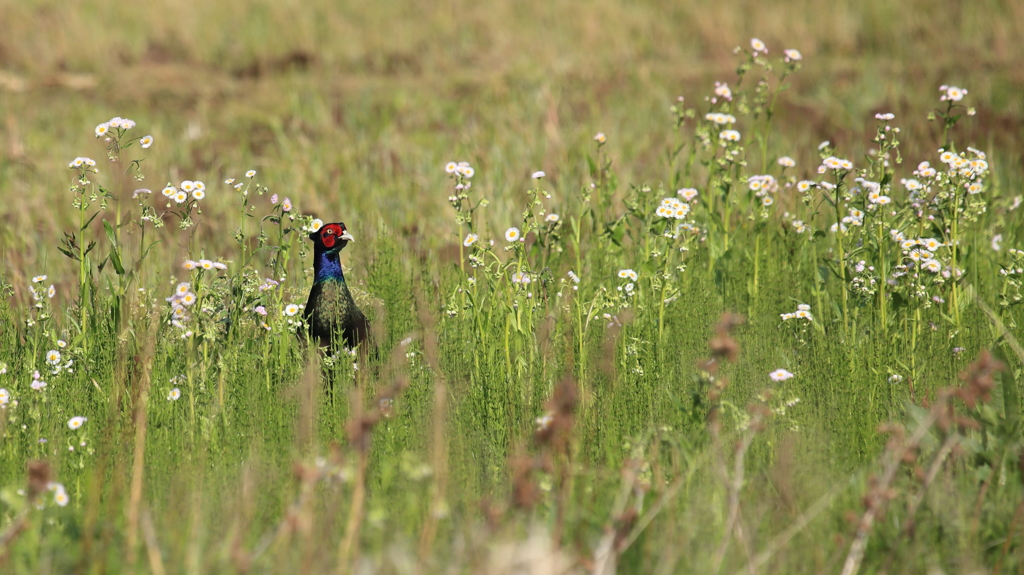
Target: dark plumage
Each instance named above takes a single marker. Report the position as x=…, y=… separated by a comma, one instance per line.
x=331, y=314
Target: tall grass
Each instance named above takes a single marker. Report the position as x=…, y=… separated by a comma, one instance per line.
x=843, y=416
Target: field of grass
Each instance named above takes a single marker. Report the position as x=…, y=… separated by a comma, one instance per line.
x=683, y=309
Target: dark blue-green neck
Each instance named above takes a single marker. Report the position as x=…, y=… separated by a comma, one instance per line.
x=327, y=266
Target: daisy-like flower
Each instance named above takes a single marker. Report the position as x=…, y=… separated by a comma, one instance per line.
x=76, y=422
x=521, y=278
x=229, y=181
x=974, y=188
x=767, y=201
x=189, y=265
x=316, y=224
x=470, y=240
x=174, y=395
x=805, y=185
x=187, y=299
x=722, y=90
x=787, y=316
x=538, y=175
x=180, y=196
x=552, y=218
x=787, y=162
x=146, y=141
x=206, y=264
x=38, y=385
x=952, y=93
x=199, y=185
x=187, y=185
x=286, y=205
x=687, y=194
x=102, y=129
x=664, y=211
x=908, y=244
x=895, y=378
x=76, y=163
x=780, y=375
x=930, y=244
x=572, y=275
x=260, y=310
x=141, y=192
x=451, y=167
x=38, y=279
x=291, y=309
x=512, y=234
x=61, y=343
x=729, y=135
x=803, y=314
x=60, y=496
x=883, y=200
x=466, y=171
x=628, y=274
x=600, y=138
x=53, y=357
x=803, y=307
x=169, y=191
x=250, y=173
x=183, y=287
x=239, y=186
x=799, y=226
x=758, y=46
x=793, y=55
x=198, y=194
x=932, y=265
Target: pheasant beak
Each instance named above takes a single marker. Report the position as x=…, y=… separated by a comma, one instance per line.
x=347, y=236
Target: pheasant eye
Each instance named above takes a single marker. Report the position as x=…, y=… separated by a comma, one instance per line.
x=330, y=231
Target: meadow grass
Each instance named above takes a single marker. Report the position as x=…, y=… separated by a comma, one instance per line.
x=687, y=356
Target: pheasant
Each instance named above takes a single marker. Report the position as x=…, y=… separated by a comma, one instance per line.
x=331, y=313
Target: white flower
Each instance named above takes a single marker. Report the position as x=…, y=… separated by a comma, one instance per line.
x=183, y=287
x=60, y=496
x=316, y=225
x=787, y=162
x=187, y=185
x=174, y=394
x=206, y=264
x=997, y=242
x=572, y=275
x=53, y=357
x=51, y=291
x=291, y=309
x=466, y=171
x=687, y=193
x=538, y=175
x=551, y=218
x=520, y=278
x=767, y=201
x=76, y=422
x=286, y=205
x=512, y=234
x=470, y=240
x=451, y=167
x=188, y=265
x=803, y=307
x=180, y=196
x=250, y=173
x=895, y=378
x=102, y=129
x=169, y=191
x=146, y=141
x=780, y=375
x=932, y=265
x=198, y=194
x=229, y=181
x=952, y=93
x=758, y=45
x=38, y=279
x=628, y=274
x=600, y=138
x=729, y=135
x=61, y=343
x=793, y=55
x=722, y=90
x=220, y=266
x=885, y=117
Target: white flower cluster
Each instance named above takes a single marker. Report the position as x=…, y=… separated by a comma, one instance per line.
x=673, y=208
x=462, y=169
x=181, y=193
x=803, y=311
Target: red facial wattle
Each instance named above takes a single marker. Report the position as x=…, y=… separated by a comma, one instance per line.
x=330, y=235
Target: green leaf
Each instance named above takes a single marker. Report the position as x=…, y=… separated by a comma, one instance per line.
x=86, y=224
x=115, y=258
x=68, y=253
x=111, y=235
